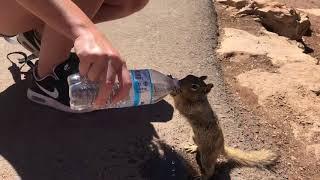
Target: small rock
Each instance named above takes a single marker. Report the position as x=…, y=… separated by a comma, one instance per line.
x=300, y=45
x=257, y=19
x=235, y=3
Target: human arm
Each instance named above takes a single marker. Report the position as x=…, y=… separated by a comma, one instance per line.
x=99, y=61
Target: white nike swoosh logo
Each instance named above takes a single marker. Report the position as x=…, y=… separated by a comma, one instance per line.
x=54, y=94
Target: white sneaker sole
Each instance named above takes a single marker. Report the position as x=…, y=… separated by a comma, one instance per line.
x=29, y=46
x=50, y=102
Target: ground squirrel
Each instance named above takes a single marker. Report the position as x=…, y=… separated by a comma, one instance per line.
x=192, y=102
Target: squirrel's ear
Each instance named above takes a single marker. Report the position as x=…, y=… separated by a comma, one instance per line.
x=203, y=78
x=208, y=88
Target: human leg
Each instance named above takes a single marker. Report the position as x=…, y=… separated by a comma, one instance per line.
x=15, y=19
x=115, y=9
x=55, y=47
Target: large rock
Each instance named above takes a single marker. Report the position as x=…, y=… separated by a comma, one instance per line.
x=276, y=17
x=284, y=21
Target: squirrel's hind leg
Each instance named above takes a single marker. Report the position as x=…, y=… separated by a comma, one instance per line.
x=208, y=163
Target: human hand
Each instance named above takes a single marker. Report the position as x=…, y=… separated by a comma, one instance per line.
x=100, y=62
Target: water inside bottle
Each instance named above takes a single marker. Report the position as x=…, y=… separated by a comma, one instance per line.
x=148, y=87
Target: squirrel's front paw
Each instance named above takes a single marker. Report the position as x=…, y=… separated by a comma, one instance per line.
x=191, y=148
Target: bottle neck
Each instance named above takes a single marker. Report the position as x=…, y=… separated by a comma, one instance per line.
x=176, y=84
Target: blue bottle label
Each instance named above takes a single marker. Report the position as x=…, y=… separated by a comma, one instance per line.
x=142, y=87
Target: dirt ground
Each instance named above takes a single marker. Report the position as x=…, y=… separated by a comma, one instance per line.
x=39, y=143
x=277, y=93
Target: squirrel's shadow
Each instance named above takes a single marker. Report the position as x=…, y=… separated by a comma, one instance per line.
x=222, y=170
x=42, y=143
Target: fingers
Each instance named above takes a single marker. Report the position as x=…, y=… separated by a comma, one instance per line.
x=125, y=84
x=106, y=73
x=111, y=73
x=102, y=96
x=96, y=71
x=106, y=84
x=100, y=62
x=84, y=67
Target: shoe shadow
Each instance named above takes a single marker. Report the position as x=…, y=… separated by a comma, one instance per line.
x=42, y=143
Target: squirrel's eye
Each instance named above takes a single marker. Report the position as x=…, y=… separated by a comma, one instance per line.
x=194, y=87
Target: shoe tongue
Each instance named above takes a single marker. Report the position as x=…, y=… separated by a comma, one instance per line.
x=70, y=66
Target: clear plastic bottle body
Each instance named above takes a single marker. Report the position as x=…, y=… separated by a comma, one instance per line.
x=148, y=87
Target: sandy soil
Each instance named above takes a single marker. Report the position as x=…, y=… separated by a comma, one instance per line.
x=37, y=142
x=277, y=83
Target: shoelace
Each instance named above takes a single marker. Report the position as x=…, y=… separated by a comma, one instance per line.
x=25, y=60
x=15, y=70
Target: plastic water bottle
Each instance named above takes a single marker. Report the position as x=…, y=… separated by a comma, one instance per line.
x=148, y=87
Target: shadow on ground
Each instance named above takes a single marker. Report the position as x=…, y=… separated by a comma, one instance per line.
x=42, y=143
x=222, y=170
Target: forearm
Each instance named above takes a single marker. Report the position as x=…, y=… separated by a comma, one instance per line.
x=62, y=15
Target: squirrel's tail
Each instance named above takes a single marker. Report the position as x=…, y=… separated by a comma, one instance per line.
x=250, y=158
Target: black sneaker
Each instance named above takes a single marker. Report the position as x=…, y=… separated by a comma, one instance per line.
x=31, y=41
x=10, y=39
x=53, y=89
